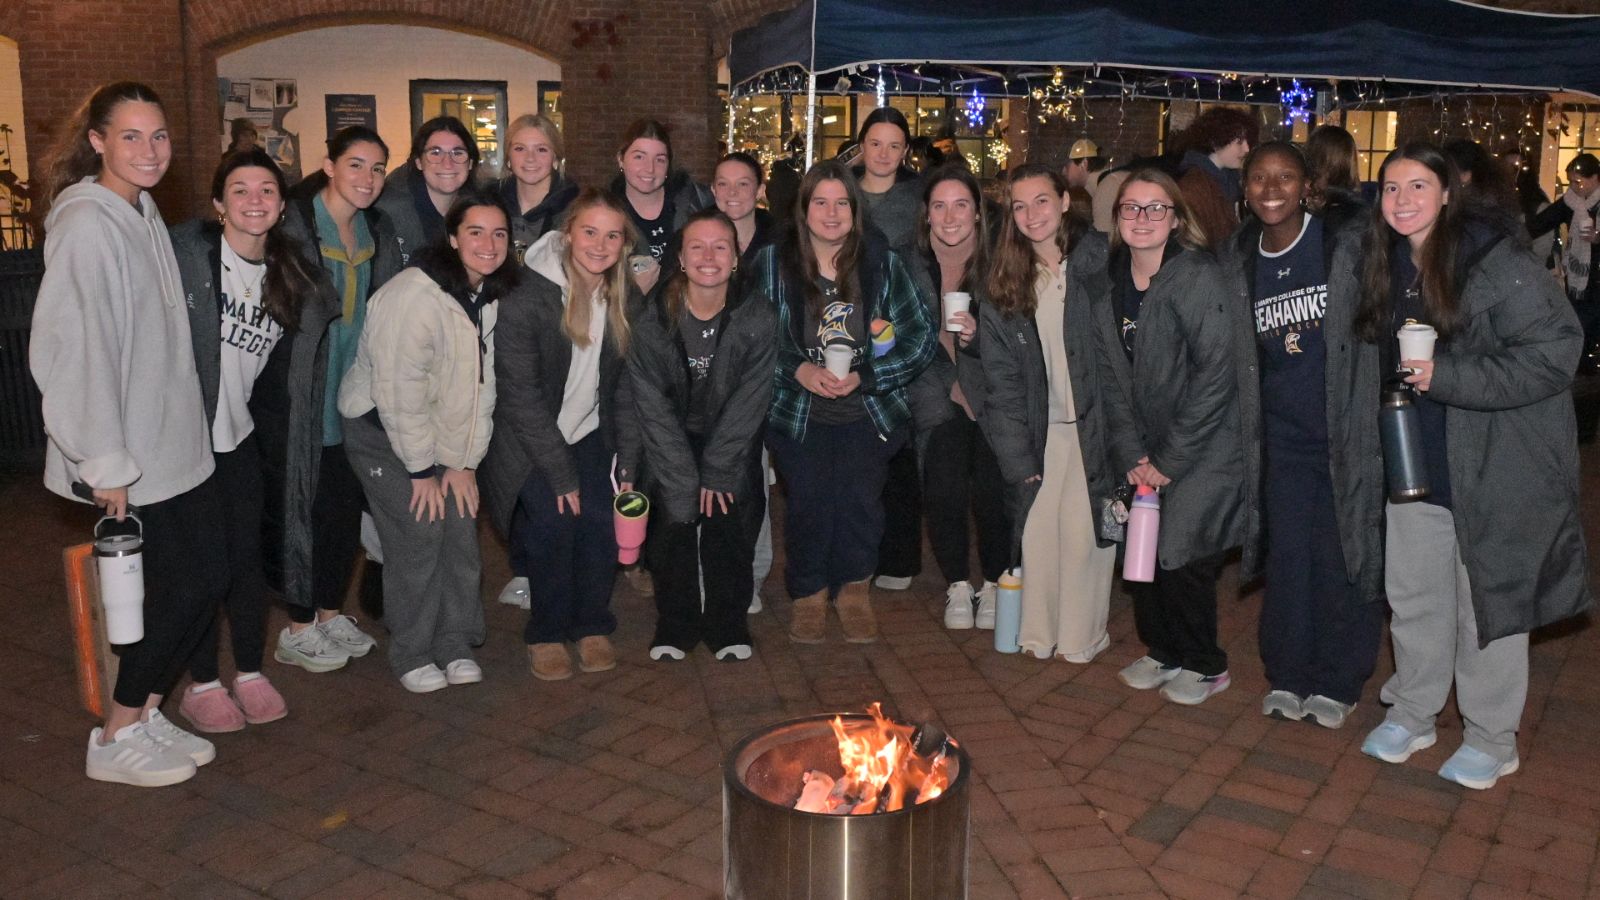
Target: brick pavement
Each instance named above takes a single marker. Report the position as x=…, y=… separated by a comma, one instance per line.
x=609, y=785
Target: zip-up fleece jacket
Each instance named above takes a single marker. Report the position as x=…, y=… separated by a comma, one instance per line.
x=111, y=354
x=421, y=366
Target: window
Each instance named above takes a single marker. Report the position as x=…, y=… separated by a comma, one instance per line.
x=762, y=122
x=479, y=105
x=550, y=102
x=1374, y=132
x=1577, y=130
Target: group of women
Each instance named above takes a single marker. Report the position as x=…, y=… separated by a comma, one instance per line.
x=417, y=345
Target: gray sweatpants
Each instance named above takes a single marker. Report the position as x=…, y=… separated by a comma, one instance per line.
x=432, y=571
x=1436, y=637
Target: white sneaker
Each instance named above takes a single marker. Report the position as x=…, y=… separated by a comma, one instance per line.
x=310, y=649
x=1147, y=672
x=515, y=593
x=667, y=651
x=755, y=602
x=163, y=731
x=424, y=680
x=463, y=671
x=735, y=652
x=1326, y=711
x=1192, y=688
x=958, y=606
x=344, y=634
x=894, y=583
x=986, y=599
x=134, y=757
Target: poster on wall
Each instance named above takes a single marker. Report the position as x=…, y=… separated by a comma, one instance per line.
x=345, y=110
x=264, y=102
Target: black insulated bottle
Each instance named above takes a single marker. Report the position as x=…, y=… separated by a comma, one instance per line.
x=1404, y=465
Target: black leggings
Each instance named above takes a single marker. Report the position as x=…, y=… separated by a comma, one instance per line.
x=185, y=578
x=962, y=484
x=245, y=602
x=335, y=533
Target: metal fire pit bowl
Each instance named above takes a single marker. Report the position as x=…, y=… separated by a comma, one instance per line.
x=771, y=850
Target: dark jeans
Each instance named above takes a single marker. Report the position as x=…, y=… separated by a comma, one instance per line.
x=834, y=515
x=572, y=560
x=720, y=549
x=183, y=584
x=962, y=483
x=1316, y=637
x=335, y=533
x=900, y=550
x=239, y=474
x=1176, y=616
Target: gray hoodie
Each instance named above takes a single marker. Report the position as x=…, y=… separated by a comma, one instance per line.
x=111, y=353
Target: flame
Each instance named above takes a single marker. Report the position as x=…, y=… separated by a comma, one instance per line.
x=880, y=766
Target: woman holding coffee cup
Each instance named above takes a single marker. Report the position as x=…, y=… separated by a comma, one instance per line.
x=1171, y=298
x=1048, y=306
x=961, y=479
x=832, y=282
x=700, y=371
x=562, y=420
x=1496, y=549
x=1309, y=403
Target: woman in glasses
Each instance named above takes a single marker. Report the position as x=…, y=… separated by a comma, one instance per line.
x=419, y=193
x=1171, y=301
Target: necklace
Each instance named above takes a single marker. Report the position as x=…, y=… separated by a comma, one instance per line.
x=261, y=274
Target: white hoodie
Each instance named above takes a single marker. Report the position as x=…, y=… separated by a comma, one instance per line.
x=580, y=400
x=110, y=351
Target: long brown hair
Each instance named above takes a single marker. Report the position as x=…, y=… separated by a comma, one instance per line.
x=1437, y=274
x=1186, y=229
x=675, y=294
x=616, y=283
x=1011, y=277
x=73, y=158
x=290, y=277
x=1330, y=161
x=977, y=268
x=800, y=260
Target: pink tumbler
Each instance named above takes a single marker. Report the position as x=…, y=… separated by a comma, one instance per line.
x=630, y=511
x=1144, y=524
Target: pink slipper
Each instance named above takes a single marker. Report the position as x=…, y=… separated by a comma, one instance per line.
x=260, y=700
x=212, y=711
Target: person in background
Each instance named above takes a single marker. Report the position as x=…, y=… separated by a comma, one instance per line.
x=1172, y=299
x=1496, y=549
x=657, y=197
x=564, y=427
x=701, y=378
x=1531, y=198
x=783, y=182
x=331, y=217
x=1578, y=208
x=961, y=479
x=1083, y=170
x=418, y=404
x=111, y=354
x=1332, y=165
x=419, y=193
x=242, y=136
x=1314, y=478
x=535, y=195
x=831, y=280
x=1483, y=177
x=1217, y=144
x=240, y=272
x=1043, y=360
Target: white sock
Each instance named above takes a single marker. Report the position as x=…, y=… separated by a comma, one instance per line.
x=246, y=676
x=208, y=686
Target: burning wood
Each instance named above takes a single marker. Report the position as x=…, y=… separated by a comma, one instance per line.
x=882, y=770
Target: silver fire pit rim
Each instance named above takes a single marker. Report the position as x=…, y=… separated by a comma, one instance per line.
x=735, y=777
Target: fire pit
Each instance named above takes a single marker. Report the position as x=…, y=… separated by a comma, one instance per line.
x=894, y=826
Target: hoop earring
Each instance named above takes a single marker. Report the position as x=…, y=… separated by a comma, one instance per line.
x=223, y=220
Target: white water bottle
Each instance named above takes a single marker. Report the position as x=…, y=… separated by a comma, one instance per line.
x=119, y=560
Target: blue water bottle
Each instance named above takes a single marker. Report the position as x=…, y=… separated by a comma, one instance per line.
x=1008, y=611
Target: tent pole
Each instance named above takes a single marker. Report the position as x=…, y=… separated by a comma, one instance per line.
x=811, y=91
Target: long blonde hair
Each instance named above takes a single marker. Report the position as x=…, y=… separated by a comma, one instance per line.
x=616, y=284
x=545, y=126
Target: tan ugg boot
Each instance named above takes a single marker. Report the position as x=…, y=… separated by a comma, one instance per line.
x=549, y=662
x=595, y=654
x=807, y=620
x=855, y=613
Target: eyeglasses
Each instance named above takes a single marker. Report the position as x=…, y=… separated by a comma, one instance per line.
x=1155, y=212
x=436, y=155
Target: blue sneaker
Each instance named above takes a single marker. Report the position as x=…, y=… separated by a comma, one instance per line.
x=1473, y=768
x=1392, y=743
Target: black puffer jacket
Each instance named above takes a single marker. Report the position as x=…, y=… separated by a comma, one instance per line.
x=528, y=227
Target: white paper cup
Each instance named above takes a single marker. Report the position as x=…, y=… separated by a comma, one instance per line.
x=1416, y=341
x=837, y=357
x=955, y=302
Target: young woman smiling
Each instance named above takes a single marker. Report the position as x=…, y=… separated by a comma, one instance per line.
x=657, y=197
x=1048, y=304
x=332, y=220
x=961, y=479
x=418, y=404
x=563, y=416
x=1496, y=549
x=1314, y=483
x=832, y=436
x=701, y=374
x=241, y=272
x=111, y=354
x=417, y=195
x=1171, y=297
